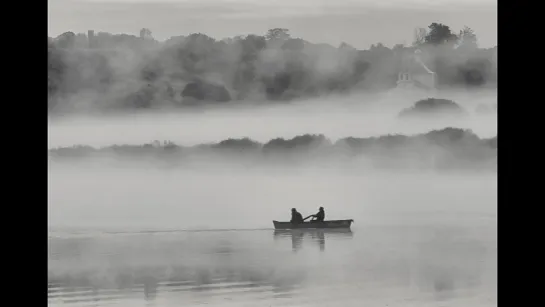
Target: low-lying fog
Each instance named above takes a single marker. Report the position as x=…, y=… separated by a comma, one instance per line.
x=137, y=198
x=335, y=117
x=435, y=236
x=143, y=196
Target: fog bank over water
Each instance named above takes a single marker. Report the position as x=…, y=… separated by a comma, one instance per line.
x=118, y=227
x=358, y=116
x=192, y=196
x=133, y=198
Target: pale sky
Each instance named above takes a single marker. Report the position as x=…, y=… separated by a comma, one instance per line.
x=357, y=22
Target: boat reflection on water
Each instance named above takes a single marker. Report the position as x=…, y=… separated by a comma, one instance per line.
x=316, y=236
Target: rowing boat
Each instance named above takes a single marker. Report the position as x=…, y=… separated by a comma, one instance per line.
x=314, y=225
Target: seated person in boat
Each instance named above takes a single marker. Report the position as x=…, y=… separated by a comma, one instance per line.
x=320, y=216
x=296, y=217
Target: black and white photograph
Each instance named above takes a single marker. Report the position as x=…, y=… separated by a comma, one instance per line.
x=300, y=153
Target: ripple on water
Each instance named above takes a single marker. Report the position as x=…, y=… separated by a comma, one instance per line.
x=403, y=266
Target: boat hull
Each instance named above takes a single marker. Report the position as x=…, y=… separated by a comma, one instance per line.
x=333, y=224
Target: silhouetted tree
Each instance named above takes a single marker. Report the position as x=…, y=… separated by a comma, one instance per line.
x=433, y=107
x=419, y=36
x=145, y=33
x=346, y=46
x=449, y=147
x=398, y=47
x=205, y=91
x=278, y=33
x=254, y=43
x=294, y=44
x=467, y=39
x=66, y=40
x=127, y=71
x=475, y=72
x=440, y=34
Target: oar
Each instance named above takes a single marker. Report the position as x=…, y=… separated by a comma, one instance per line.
x=307, y=217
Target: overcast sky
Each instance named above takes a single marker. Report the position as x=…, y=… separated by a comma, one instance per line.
x=357, y=22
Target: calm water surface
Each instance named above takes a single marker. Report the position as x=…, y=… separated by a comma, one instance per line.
x=418, y=264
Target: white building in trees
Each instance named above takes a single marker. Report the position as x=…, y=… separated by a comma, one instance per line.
x=415, y=74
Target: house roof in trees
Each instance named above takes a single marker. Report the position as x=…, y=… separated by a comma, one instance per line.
x=413, y=65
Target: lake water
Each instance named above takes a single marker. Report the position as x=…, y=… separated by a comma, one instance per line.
x=390, y=265
x=128, y=234
x=129, y=237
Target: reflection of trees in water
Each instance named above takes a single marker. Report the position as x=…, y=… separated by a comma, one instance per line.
x=191, y=279
x=207, y=268
x=150, y=287
x=316, y=236
x=200, y=279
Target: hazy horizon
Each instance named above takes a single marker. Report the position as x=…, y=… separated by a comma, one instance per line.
x=353, y=22
x=335, y=117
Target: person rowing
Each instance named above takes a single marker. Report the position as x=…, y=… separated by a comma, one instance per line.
x=318, y=217
x=296, y=217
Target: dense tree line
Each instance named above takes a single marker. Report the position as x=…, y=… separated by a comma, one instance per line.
x=450, y=147
x=126, y=71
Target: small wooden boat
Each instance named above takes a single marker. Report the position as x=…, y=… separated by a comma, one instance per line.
x=333, y=224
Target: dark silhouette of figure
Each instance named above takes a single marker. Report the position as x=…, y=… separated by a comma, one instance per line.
x=317, y=236
x=320, y=216
x=321, y=240
x=296, y=217
x=297, y=240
